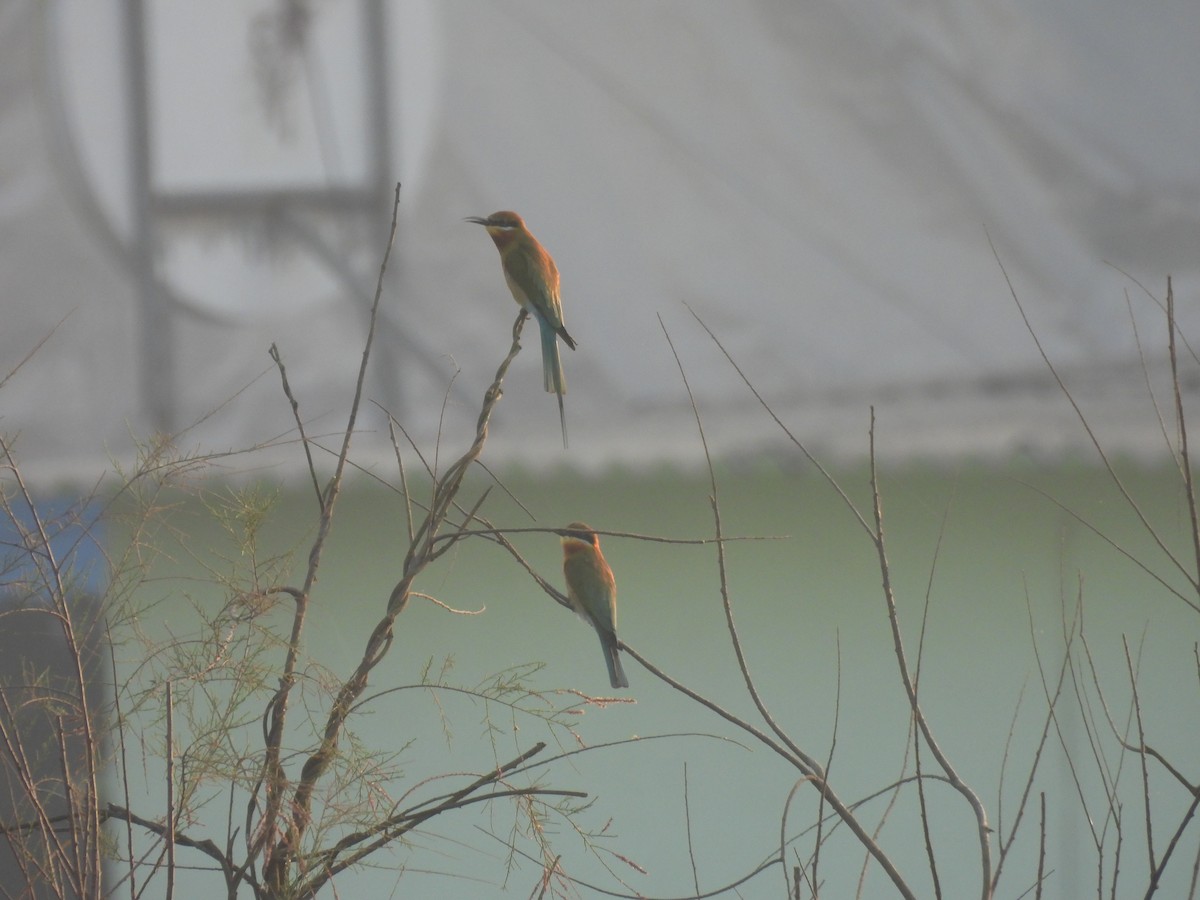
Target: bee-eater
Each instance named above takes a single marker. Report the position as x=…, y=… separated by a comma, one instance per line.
x=593, y=593
x=533, y=279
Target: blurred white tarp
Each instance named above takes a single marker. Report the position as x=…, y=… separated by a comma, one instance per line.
x=821, y=183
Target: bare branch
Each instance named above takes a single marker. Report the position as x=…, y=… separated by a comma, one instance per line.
x=1181, y=425
x=36, y=347
x=791, y=437
x=1194, y=579
x=304, y=441
x=280, y=853
x=983, y=829
x=421, y=552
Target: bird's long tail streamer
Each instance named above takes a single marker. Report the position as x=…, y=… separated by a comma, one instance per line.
x=552, y=373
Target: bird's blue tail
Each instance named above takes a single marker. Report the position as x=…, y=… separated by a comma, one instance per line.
x=612, y=659
x=552, y=372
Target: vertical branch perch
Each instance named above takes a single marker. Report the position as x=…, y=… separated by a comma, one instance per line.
x=277, y=710
x=422, y=551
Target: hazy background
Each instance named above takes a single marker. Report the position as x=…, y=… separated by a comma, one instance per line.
x=818, y=182
x=833, y=187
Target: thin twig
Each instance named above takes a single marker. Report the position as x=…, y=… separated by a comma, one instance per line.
x=925, y=811
x=76, y=872
x=548, y=875
x=122, y=756
x=1194, y=579
x=631, y=535
x=1041, y=873
x=1006, y=844
x=1162, y=307
x=382, y=833
x=1181, y=425
x=819, y=842
x=404, y=491
x=171, y=816
x=889, y=807
x=811, y=765
x=687, y=823
x=304, y=442
x=1157, y=874
x=36, y=347
x=723, y=891
x=1145, y=367
x=982, y=828
x=1137, y=711
x=509, y=494
x=791, y=437
x=742, y=724
x=783, y=842
x=1166, y=585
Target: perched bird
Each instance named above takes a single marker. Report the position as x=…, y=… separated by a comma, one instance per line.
x=593, y=593
x=533, y=279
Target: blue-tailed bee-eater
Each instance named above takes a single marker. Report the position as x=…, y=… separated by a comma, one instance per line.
x=593, y=593
x=532, y=277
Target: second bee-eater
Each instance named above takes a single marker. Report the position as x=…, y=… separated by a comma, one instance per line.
x=533, y=279
x=593, y=593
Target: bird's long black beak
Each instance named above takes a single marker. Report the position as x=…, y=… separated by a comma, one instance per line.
x=476, y=220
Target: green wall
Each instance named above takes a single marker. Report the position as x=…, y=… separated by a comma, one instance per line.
x=983, y=544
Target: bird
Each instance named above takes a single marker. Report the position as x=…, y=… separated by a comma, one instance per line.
x=532, y=277
x=592, y=592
